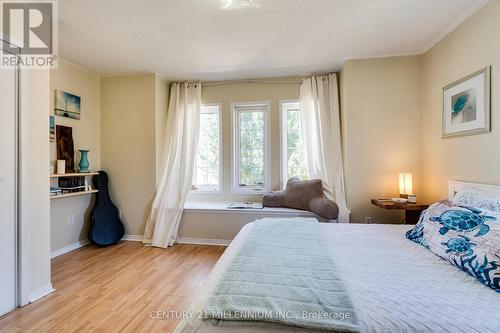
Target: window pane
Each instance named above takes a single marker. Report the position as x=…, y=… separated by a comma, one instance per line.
x=252, y=148
x=296, y=157
x=208, y=154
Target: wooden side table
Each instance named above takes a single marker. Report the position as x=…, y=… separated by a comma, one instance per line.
x=412, y=211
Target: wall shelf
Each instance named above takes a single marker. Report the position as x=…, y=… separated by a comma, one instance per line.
x=73, y=194
x=75, y=174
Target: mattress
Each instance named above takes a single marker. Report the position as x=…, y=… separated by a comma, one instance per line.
x=395, y=285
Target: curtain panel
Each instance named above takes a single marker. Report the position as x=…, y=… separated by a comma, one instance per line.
x=320, y=117
x=181, y=141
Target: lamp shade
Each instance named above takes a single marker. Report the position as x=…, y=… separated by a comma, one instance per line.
x=405, y=183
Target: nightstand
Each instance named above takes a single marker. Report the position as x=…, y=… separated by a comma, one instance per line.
x=412, y=211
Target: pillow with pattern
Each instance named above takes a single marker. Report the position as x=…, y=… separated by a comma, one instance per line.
x=479, y=201
x=468, y=238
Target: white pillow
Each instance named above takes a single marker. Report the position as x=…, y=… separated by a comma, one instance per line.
x=480, y=201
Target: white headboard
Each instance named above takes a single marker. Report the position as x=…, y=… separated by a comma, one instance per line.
x=482, y=189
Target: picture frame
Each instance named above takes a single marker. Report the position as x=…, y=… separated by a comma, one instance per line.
x=65, y=147
x=466, y=105
x=52, y=129
x=67, y=105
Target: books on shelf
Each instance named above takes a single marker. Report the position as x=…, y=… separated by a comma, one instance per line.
x=55, y=191
x=73, y=184
x=69, y=185
x=73, y=189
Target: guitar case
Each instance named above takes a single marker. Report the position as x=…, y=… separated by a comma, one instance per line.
x=106, y=227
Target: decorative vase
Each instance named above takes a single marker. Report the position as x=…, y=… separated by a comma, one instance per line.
x=84, y=161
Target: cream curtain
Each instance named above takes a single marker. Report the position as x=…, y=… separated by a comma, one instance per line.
x=181, y=140
x=320, y=114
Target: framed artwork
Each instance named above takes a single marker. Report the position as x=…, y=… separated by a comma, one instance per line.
x=65, y=148
x=67, y=105
x=52, y=129
x=466, y=105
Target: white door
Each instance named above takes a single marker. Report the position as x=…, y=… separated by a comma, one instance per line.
x=8, y=189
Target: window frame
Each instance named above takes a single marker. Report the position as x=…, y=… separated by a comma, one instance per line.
x=235, y=141
x=284, y=108
x=211, y=189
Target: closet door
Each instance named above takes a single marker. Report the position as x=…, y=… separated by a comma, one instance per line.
x=8, y=189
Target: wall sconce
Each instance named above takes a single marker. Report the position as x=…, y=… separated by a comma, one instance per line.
x=405, y=185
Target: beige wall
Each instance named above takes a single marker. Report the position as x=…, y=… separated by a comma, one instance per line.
x=381, y=124
x=472, y=46
x=391, y=122
x=218, y=227
x=128, y=143
x=369, y=107
x=38, y=178
x=392, y=119
x=162, y=95
x=248, y=92
x=391, y=114
x=86, y=135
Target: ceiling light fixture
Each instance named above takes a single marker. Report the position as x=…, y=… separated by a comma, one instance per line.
x=238, y=4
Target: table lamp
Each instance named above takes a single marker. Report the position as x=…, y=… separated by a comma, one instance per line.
x=405, y=185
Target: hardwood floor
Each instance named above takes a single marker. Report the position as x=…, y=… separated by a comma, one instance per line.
x=115, y=289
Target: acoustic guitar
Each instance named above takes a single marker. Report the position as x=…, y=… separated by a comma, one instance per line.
x=106, y=227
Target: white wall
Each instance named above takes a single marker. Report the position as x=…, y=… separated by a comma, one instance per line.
x=38, y=170
x=79, y=81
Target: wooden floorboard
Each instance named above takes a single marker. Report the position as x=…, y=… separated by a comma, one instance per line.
x=115, y=289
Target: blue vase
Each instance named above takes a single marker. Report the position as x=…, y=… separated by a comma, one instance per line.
x=84, y=161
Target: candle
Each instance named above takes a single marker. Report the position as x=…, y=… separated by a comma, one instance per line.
x=412, y=198
x=61, y=167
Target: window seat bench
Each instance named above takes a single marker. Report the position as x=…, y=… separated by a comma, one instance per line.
x=221, y=206
x=212, y=223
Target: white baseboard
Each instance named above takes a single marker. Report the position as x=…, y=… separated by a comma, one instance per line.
x=203, y=241
x=69, y=248
x=40, y=292
x=133, y=238
x=182, y=240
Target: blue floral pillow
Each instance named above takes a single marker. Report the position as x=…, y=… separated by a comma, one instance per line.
x=467, y=237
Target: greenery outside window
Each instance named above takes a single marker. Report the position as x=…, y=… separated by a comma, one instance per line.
x=250, y=160
x=293, y=156
x=207, y=172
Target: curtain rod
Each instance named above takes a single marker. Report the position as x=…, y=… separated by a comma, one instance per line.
x=248, y=81
x=221, y=83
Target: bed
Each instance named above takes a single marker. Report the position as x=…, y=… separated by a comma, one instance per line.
x=395, y=285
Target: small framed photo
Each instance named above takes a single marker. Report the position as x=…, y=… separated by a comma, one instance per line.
x=52, y=129
x=67, y=105
x=466, y=105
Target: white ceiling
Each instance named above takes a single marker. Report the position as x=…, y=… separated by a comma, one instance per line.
x=195, y=39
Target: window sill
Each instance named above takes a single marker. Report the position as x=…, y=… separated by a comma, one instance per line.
x=250, y=191
x=204, y=192
x=221, y=206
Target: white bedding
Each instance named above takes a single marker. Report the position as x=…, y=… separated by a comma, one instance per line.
x=395, y=284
